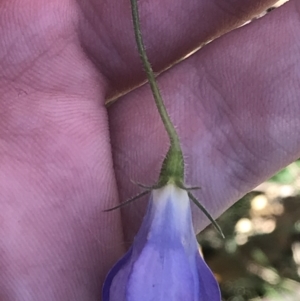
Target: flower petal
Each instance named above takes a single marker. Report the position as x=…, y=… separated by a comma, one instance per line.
x=164, y=262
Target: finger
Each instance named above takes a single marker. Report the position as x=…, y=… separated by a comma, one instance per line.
x=56, y=171
x=236, y=106
x=171, y=29
x=36, y=42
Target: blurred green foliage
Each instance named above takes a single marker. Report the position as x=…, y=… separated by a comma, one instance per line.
x=286, y=175
x=260, y=257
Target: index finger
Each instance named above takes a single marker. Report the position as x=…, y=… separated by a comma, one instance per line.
x=171, y=29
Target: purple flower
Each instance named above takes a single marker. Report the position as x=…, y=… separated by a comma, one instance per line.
x=164, y=263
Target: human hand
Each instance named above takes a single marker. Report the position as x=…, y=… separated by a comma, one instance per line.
x=65, y=157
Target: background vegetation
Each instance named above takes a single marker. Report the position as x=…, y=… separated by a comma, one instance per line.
x=260, y=257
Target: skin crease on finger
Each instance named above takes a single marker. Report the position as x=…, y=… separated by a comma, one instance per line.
x=56, y=173
x=188, y=24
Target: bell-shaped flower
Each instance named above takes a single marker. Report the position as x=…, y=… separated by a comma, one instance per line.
x=164, y=263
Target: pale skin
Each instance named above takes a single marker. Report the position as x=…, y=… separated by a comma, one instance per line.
x=65, y=157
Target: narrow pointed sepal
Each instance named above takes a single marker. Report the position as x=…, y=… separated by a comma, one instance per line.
x=204, y=210
x=128, y=201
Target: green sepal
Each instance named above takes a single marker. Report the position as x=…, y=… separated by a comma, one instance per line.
x=128, y=201
x=204, y=210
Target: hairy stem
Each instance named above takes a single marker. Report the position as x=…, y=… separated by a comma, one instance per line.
x=170, y=166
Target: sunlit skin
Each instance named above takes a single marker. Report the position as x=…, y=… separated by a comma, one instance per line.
x=65, y=157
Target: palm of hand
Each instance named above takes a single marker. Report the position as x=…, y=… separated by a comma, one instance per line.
x=65, y=157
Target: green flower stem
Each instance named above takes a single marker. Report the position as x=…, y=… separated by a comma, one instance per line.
x=173, y=165
x=172, y=170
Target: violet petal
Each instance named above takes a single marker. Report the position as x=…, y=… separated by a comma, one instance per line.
x=164, y=262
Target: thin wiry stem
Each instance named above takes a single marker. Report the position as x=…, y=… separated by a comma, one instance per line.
x=173, y=165
x=151, y=77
